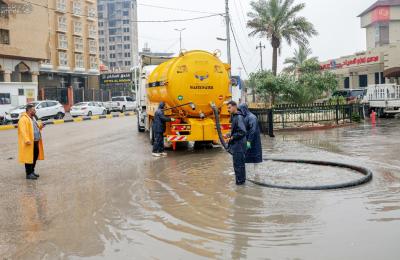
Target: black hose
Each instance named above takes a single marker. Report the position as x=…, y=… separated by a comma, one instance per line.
x=367, y=174
x=218, y=124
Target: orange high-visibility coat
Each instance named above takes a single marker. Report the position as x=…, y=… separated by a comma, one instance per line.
x=25, y=133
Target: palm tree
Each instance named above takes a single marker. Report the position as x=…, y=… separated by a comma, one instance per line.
x=300, y=56
x=278, y=20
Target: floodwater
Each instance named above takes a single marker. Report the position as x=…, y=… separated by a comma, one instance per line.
x=101, y=195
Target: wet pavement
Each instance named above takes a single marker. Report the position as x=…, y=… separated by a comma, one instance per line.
x=101, y=195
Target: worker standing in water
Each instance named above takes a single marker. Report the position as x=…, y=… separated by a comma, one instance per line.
x=237, y=142
x=158, y=130
x=254, y=149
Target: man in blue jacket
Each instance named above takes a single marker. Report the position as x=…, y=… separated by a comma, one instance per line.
x=254, y=148
x=158, y=130
x=237, y=142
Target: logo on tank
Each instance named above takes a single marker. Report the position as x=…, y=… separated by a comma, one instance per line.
x=202, y=76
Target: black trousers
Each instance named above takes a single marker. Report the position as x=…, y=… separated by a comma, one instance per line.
x=30, y=168
x=239, y=165
x=158, y=145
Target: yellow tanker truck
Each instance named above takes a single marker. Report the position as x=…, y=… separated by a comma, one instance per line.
x=190, y=85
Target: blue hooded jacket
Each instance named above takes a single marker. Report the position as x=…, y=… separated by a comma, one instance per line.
x=254, y=154
x=160, y=119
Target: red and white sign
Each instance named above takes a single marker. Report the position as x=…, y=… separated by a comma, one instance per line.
x=176, y=138
x=381, y=14
x=333, y=64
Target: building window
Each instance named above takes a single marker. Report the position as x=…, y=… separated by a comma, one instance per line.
x=125, y=22
x=62, y=5
x=112, y=39
x=112, y=31
x=381, y=34
x=346, y=82
x=101, y=24
x=77, y=28
x=5, y=99
x=21, y=92
x=62, y=59
x=92, y=46
x=100, y=7
x=79, y=60
x=78, y=44
x=112, y=47
x=112, y=23
x=126, y=4
x=93, y=31
x=93, y=62
x=112, y=56
x=127, y=46
x=91, y=13
x=62, y=41
x=101, y=32
x=383, y=79
x=127, y=54
x=127, y=38
x=112, y=64
x=4, y=36
x=62, y=23
x=125, y=13
x=127, y=63
x=126, y=29
x=77, y=8
x=363, y=81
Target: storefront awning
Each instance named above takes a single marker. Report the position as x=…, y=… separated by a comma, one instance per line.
x=392, y=73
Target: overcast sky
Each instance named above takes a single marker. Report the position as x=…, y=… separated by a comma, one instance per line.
x=336, y=21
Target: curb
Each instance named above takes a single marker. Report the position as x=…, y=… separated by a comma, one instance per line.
x=73, y=120
x=313, y=128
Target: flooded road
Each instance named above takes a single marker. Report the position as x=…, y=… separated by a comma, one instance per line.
x=101, y=195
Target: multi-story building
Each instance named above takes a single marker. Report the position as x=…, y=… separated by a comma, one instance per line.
x=23, y=31
x=380, y=63
x=118, y=34
x=72, y=46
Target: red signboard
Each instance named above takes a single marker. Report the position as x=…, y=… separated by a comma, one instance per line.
x=381, y=14
x=350, y=62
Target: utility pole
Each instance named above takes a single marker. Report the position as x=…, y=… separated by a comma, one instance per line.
x=228, y=32
x=180, y=38
x=260, y=46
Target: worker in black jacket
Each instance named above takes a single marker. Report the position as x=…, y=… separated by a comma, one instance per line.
x=237, y=142
x=158, y=128
x=254, y=148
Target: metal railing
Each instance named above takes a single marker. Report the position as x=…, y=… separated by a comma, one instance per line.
x=295, y=116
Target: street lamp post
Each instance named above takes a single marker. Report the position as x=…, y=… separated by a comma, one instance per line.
x=180, y=38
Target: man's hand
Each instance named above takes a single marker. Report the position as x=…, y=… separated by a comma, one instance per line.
x=28, y=142
x=248, y=145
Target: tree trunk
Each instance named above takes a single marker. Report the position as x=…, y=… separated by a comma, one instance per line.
x=274, y=60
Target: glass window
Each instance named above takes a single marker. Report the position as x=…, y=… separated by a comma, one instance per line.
x=363, y=81
x=77, y=8
x=20, y=92
x=78, y=44
x=62, y=41
x=79, y=60
x=77, y=27
x=62, y=5
x=62, y=58
x=62, y=23
x=347, y=82
x=51, y=103
x=381, y=34
x=42, y=105
x=93, y=62
x=5, y=99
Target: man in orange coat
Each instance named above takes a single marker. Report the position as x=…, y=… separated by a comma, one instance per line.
x=30, y=142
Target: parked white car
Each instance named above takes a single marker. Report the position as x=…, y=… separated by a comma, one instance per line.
x=87, y=109
x=45, y=109
x=123, y=103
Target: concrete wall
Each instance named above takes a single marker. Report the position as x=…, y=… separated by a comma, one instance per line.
x=31, y=25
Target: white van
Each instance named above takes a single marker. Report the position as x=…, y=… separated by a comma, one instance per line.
x=384, y=99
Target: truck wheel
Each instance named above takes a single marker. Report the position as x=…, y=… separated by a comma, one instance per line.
x=140, y=129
